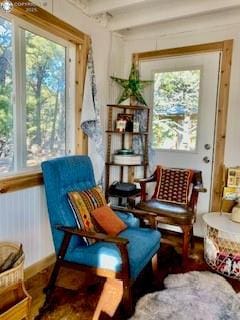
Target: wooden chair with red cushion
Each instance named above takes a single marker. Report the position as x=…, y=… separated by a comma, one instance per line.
x=174, y=201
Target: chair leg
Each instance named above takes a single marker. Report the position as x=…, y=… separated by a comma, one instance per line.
x=186, y=241
x=49, y=291
x=149, y=270
x=127, y=298
x=51, y=284
x=192, y=239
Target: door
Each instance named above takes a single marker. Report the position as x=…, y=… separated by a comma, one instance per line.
x=184, y=99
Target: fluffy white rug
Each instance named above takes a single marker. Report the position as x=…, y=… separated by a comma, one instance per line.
x=191, y=296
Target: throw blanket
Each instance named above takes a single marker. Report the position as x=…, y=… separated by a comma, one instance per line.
x=193, y=295
x=90, y=121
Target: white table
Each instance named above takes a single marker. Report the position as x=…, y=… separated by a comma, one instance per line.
x=222, y=244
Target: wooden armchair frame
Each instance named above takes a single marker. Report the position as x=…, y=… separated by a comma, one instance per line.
x=155, y=218
x=123, y=275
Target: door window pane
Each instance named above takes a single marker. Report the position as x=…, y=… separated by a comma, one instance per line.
x=175, y=110
x=45, y=98
x=6, y=87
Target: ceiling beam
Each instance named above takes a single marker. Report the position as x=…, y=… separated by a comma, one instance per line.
x=97, y=7
x=166, y=11
x=201, y=23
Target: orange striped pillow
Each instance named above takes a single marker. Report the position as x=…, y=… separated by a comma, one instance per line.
x=83, y=203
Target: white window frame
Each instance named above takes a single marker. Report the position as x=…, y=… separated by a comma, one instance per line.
x=18, y=99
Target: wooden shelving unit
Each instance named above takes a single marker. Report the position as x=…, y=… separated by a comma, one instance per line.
x=133, y=133
x=113, y=133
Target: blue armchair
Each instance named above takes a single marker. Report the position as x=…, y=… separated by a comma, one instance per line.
x=122, y=257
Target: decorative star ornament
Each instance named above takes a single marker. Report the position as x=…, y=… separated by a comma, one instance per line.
x=133, y=87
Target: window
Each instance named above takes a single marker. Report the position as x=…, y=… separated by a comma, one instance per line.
x=175, y=110
x=6, y=90
x=34, y=103
x=45, y=88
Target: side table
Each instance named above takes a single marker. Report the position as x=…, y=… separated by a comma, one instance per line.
x=222, y=244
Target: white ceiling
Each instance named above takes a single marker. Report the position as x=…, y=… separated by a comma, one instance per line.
x=127, y=15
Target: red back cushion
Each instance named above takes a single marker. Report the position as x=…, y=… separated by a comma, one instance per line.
x=173, y=185
x=108, y=220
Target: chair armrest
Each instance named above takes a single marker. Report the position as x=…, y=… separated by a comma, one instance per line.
x=194, y=199
x=93, y=235
x=133, y=211
x=121, y=243
x=146, y=180
x=143, y=183
x=150, y=216
x=122, y=209
x=199, y=188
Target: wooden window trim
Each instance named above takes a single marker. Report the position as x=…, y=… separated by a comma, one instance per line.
x=19, y=182
x=60, y=28
x=45, y=20
x=225, y=48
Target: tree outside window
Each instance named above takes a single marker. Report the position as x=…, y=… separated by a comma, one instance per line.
x=32, y=119
x=175, y=112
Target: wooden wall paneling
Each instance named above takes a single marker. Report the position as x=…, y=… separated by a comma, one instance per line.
x=225, y=47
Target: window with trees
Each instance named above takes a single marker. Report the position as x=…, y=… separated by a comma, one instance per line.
x=6, y=90
x=175, y=110
x=34, y=102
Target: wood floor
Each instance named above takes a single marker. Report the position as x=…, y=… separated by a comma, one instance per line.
x=78, y=294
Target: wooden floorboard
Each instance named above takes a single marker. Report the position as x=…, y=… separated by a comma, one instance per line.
x=79, y=293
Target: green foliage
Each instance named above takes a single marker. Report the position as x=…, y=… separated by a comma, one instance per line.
x=176, y=88
x=44, y=92
x=176, y=100
x=6, y=116
x=45, y=85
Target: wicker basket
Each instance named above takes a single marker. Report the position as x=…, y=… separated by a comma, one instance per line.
x=13, y=275
x=222, y=254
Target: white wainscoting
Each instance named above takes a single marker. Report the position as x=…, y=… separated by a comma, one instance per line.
x=24, y=218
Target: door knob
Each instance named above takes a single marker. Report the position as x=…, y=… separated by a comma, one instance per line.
x=207, y=146
x=206, y=159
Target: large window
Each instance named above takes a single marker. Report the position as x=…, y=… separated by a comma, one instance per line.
x=6, y=90
x=34, y=102
x=175, y=111
x=45, y=88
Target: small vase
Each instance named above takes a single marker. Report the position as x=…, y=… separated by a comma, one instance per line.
x=236, y=213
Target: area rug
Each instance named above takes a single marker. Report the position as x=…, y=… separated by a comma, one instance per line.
x=193, y=295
